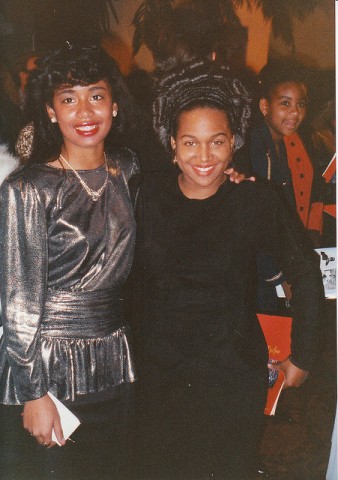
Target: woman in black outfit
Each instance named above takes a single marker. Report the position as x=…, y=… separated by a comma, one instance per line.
x=201, y=352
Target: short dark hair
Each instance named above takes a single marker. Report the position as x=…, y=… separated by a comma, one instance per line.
x=200, y=83
x=279, y=71
x=71, y=65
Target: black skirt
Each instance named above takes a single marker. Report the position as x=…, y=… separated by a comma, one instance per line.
x=102, y=446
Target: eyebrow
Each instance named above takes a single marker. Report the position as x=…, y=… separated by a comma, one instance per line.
x=290, y=98
x=193, y=136
x=72, y=90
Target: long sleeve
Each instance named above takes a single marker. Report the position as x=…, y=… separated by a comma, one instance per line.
x=23, y=251
x=300, y=264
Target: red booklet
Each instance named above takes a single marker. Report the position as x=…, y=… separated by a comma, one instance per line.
x=277, y=332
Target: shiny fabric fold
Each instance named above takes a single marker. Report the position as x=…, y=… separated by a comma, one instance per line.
x=63, y=261
x=65, y=366
x=82, y=314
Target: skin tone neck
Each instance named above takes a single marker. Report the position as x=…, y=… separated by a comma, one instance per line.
x=81, y=159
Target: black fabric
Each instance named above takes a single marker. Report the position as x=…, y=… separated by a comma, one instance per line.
x=196, y=264
x=102, y=449
x=192, y=431
x=201, y=353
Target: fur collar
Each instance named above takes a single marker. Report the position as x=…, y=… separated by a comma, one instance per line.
x=8, y=162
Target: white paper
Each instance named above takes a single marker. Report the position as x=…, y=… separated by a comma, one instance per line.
x=69, y=422
x=273, y=409
x=328, y=267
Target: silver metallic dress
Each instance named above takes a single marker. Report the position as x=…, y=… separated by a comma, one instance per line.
x=63, y=260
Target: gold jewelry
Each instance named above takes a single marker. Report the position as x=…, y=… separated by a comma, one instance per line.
x=269, y=165
x=94, y=195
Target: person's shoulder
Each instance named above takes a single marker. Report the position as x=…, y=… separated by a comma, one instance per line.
x=158, y=181
x=260, y=135
x=124, y=160
x=258, y=194
x=33, y=176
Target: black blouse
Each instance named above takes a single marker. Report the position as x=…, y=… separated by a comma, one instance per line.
x=196, y=268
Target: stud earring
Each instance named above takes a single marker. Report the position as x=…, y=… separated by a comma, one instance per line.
x=114, y=113
x=53, y=120
x=174, y=159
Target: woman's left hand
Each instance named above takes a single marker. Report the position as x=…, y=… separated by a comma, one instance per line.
x=40, y=417
x=294, y=376
x=237, y=177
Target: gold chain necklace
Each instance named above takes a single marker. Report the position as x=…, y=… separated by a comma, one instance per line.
x=94, y=195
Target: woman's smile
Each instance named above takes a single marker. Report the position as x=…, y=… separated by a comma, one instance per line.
x=204, y=170
x=87, y=129
x=203, y=145
x=84, y=113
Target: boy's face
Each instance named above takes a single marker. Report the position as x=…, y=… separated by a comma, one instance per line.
x=286, y=108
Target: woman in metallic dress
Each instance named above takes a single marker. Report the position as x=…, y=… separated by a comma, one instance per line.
x=67, y=241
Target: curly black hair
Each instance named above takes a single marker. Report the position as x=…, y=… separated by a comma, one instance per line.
x=200, y=83
x=69, y=66
x=279, y=71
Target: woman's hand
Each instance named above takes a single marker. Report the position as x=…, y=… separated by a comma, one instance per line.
x=40, y=417
x=294, y=376
x=237, y=177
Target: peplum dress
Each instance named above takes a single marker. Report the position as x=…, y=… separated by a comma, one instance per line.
x=64, y=259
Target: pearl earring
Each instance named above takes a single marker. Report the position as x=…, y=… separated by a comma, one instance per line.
x=114, y=113
x=53, y=120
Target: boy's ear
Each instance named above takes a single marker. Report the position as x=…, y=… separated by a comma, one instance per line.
x=264, y=106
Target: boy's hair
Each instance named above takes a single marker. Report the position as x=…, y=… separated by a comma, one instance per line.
x=200, y=83
x=281, y=71
x=71, y=65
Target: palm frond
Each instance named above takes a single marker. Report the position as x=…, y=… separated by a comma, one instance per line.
x=282, y=27
x=109, y=5
x=281, y=13
x=154, y=16
x=149, y=20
